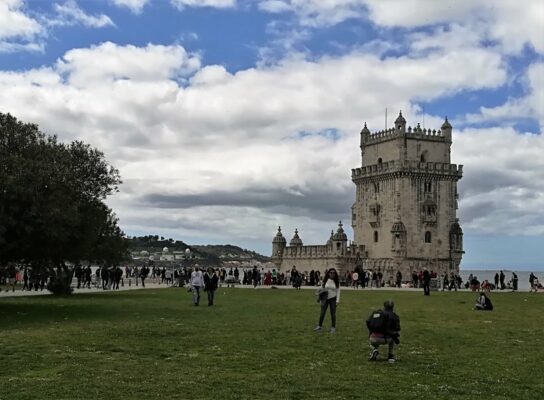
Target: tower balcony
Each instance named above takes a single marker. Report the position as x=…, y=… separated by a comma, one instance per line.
x=407, y=167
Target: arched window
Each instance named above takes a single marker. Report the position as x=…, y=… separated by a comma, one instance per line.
x=375, y=236
x=427, y=237
x=380, y=161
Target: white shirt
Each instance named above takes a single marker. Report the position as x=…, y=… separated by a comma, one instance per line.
x=332, y=290
x=197, y=278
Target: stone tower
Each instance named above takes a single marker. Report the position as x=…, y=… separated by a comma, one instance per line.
x=406, y=200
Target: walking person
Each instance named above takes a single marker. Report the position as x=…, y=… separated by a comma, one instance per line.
x=331, y=284
x=445, y=282
x=501, y=279
x=398, y=279
x=211, y=281
x=426, y=282
x=514, y=281
x=197, y=282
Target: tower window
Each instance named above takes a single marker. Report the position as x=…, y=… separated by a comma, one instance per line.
x=380, y=161
x=377, y=187
x=423, y=157
x=428, y=186
x=427, y=237
x=375, y=236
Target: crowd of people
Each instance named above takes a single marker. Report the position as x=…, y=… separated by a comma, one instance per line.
x=14, y=276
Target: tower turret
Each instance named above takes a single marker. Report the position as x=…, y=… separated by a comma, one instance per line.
x=446, y=129
x=296, y=240
x=278, y=244
x=365, y=136
x=340, y=240
x=400, y=123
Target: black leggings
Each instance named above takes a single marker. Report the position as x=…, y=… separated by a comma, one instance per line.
x=332, y=304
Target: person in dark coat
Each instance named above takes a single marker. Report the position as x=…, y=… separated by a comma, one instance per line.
x=88, y=272
x=426, y=282
x=211, y=281
x=383, y=328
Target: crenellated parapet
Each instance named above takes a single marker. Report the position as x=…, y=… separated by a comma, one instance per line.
x=417, y=132
x=407, y=167
x=305, y=251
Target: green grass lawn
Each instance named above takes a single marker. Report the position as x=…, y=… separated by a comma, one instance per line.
x=259, y=344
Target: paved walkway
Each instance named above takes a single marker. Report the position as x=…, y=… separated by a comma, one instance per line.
x=18, y=292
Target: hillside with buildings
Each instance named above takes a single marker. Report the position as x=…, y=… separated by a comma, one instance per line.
x=160, y=249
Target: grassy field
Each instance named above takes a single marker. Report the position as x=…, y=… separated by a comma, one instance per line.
x=259, y=344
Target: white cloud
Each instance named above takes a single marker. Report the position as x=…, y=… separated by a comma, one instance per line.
x=314, y=13
x=529, y=106
x=180, y=4
x=136, y=6
x=100, y=65
x=502, y=190
x=511, y=23
x=13, y=21
x=69, y=14
x=184, y=135
x=18, y=31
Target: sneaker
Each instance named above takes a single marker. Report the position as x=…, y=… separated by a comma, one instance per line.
x=318, y=329
x=374, y=355
x=332, y=330
x=391, y=360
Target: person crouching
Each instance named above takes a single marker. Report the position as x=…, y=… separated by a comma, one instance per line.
x=383, y=328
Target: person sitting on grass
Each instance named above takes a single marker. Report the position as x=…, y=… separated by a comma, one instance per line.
x=383, y=328
x=483, y=303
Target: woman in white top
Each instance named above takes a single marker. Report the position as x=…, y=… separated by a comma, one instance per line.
x=332, y=285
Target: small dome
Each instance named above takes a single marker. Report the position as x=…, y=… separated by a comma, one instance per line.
x=398, y=227
x=400, y=119
x=340, y=235
x=279, y=237
x=187, y=251
x=365, y=130
x=296, y=240
x=329, y=242
x=165, y=250
x=446, y=124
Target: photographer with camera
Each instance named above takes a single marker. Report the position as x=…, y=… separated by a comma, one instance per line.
x=383, y=328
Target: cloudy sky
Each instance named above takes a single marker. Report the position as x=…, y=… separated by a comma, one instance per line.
x=228, y=118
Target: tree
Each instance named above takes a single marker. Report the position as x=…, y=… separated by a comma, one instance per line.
x=52, y=196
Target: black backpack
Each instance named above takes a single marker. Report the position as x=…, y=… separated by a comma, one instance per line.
x=377, y=322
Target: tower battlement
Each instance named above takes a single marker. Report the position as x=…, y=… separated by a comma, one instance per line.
x=394, y=133
x=415, y=167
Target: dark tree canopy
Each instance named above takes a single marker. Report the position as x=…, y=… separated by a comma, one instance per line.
x=52, y=196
